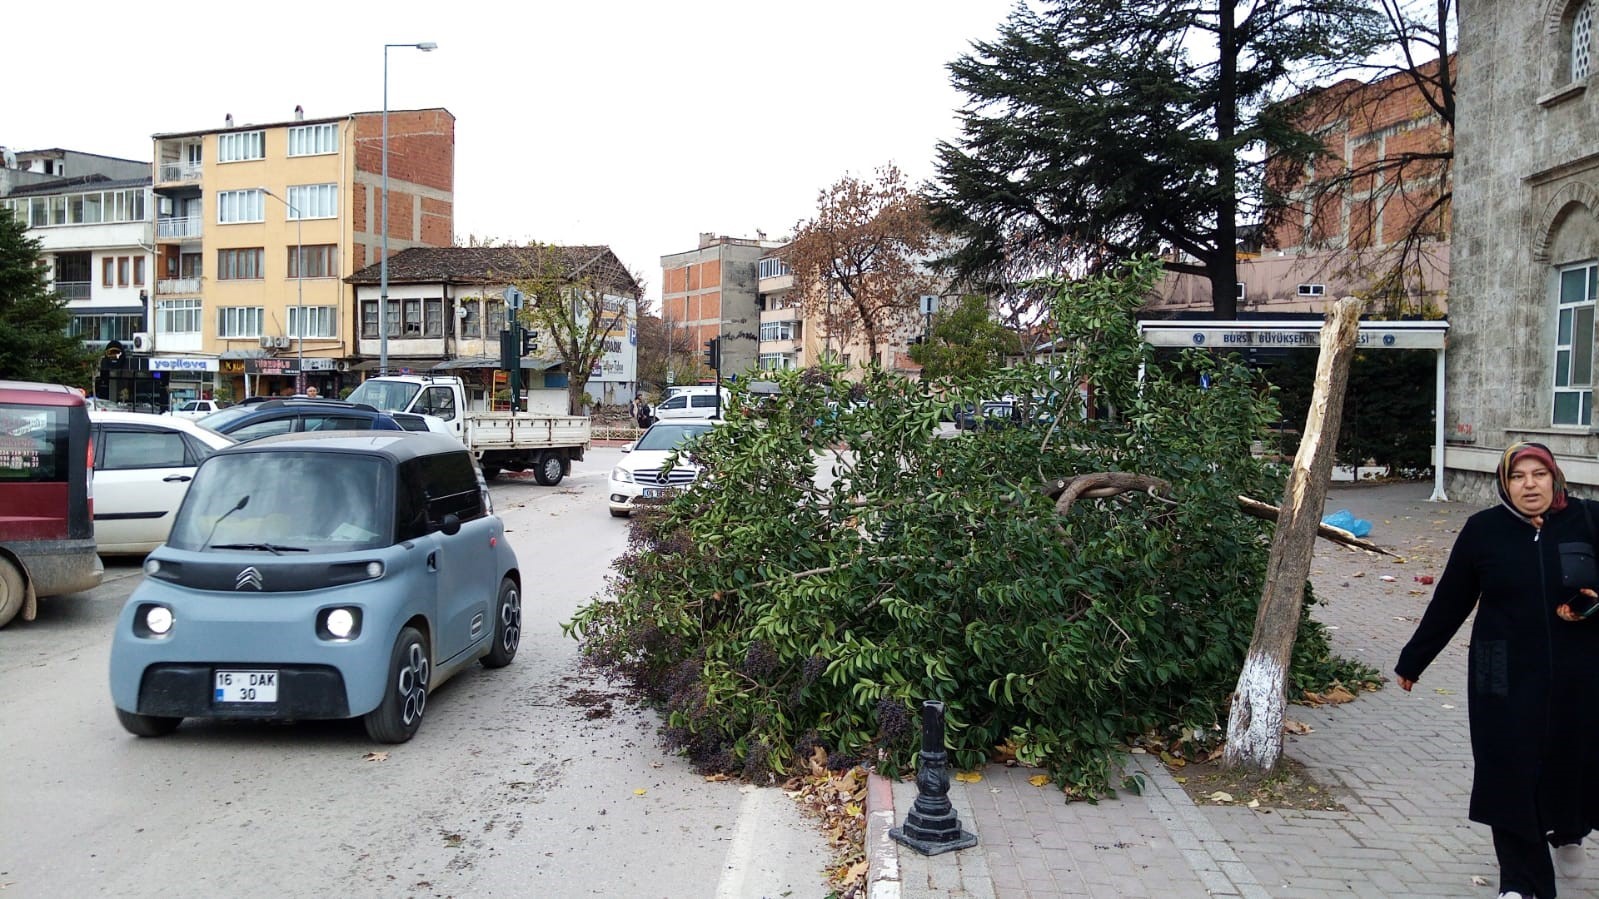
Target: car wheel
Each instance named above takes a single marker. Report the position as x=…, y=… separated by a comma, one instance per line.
x=507, y=625
x=620, y=513
x=13, y=591
x=397, y=717
x=549, y=470
x=147, y=725
x=490, y=472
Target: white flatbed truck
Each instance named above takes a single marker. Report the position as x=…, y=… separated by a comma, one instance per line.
x=540, y=440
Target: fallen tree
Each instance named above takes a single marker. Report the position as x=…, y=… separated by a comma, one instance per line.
x=1060, y=585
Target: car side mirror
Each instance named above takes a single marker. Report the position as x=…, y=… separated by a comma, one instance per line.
x=450, y=524
x=627, y=447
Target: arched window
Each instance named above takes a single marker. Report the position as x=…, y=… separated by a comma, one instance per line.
x=1582, y=42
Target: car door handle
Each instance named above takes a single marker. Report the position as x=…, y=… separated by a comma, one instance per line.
x=433, y=561
x=176, y=478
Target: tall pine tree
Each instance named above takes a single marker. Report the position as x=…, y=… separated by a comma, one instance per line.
x=34, y=344
x=1100, y=129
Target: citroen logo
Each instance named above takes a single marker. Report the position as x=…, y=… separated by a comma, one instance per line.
x=249, y=577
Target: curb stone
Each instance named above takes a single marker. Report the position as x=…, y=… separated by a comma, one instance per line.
x=882, y=856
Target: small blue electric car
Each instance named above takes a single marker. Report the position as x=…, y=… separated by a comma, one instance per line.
x=319, y=575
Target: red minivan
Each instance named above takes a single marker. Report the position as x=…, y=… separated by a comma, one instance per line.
x=46, y=496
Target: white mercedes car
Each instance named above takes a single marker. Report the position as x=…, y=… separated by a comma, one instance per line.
x=641, y=472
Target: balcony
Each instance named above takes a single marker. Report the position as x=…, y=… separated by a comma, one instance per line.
x=179, y=227
x=72, y=290
x=176, y=286
x=178, y=173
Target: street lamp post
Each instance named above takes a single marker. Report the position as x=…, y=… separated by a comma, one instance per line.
x=299, y=290
x=383, y=261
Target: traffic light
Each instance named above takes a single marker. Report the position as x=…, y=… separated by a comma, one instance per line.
x=713, y=354
x=510, y=359
x=530, y=342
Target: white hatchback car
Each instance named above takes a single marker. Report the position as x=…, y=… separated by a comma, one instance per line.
x=640, y=472
x=196, y=409
x=142, y=467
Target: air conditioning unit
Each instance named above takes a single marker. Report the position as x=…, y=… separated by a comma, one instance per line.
x=266, y=341
x=284, y=343
x=142, y=342
x=342, y=365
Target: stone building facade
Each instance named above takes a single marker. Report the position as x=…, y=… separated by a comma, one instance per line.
x=1525, y=249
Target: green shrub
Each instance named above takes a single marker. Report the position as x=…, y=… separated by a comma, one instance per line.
x=768, y=615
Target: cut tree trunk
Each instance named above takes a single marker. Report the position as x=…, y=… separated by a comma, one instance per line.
x=1259, y=704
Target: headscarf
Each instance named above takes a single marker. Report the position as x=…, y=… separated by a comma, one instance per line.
x=1514, y=453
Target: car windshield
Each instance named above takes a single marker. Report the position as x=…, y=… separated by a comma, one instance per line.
x=668, y=437
x=389, y=396
x=286, y=502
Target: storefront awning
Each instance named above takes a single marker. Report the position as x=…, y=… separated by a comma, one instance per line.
x=529, y=363
x=397, y=366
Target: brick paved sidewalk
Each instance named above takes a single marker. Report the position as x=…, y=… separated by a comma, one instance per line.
x=1400, y=763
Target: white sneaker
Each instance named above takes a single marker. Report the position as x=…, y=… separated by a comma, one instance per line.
x=1510, y=895
x=1569, y=860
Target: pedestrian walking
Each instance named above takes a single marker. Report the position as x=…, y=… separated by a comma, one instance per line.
x=1527, y=566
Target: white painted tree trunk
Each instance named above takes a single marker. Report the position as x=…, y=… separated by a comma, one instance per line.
x=1255, y=723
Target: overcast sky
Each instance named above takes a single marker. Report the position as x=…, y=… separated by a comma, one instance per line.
x=633, y=123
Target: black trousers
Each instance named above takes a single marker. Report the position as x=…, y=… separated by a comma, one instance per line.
x=1526, y=866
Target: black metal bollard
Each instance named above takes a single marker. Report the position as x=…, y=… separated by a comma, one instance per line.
x=931, y=826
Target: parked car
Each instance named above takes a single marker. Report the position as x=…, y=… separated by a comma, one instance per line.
x=691, y=405
x=142, y=467
x=196, y=409
x=640, y=473
x=252, y=421
x=46, y=534
x=990, y=415
x=317, y=576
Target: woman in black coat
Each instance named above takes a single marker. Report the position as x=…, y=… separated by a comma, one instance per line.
x=1533, y=681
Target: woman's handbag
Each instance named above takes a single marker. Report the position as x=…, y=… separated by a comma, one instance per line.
x=1579, y=568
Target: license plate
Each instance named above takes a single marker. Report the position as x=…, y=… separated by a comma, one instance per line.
x=654, y=492
x=246, y=686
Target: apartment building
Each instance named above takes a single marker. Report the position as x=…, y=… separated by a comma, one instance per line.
x=1334, y=243
x=92, y=216
x=255, y=226
x=712, y=291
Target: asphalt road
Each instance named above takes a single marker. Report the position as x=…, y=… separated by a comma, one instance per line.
x=535, y=780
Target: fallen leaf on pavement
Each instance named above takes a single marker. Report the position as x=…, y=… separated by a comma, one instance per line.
x=1039, y=780
x=1448, y=706
x=1254, y=803
x=1388, y=578
x=1220, y=796
x=1477, y=880
x=640, y=791
x=1172, y=761
x=375, y=757
x=968, y=777
x=1442, y=692
x=1358, y=574
x=1296, y=727
x=716, y=778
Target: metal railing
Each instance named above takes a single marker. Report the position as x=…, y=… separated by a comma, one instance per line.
x=169, y=286
x=179, y=226
x=72, y=290
x=179, y=171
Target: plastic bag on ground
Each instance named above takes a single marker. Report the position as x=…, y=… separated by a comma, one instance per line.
x=1343, y=519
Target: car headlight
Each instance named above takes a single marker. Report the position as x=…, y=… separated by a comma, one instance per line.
x=622, y=475
x=152, y=566
x=340, y=623
x=374, y=569
x=153, y=620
